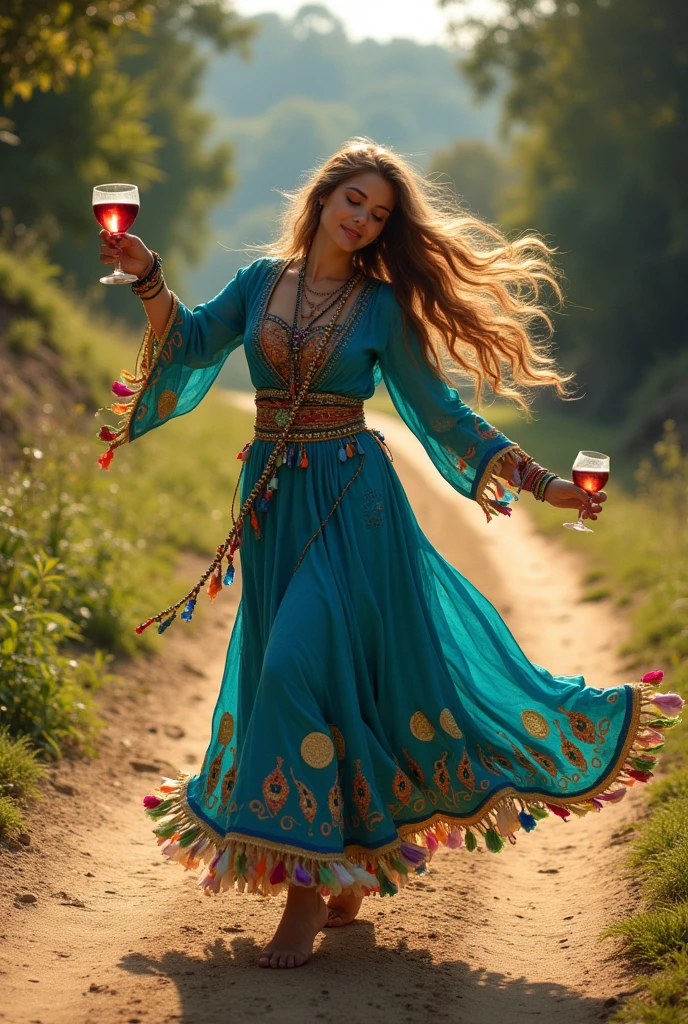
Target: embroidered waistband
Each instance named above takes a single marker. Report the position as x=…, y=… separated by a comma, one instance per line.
x=322, y=417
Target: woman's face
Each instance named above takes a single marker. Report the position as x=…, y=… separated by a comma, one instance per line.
x=355, y=212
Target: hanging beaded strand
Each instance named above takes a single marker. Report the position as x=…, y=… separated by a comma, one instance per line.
x=233, y=539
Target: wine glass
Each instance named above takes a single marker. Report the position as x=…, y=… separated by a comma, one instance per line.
x=116, y=207
x=591, y=472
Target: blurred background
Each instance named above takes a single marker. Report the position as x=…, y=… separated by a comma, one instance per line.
x=567, y=118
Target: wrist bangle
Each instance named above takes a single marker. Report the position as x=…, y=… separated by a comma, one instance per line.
x=151, y=277
x=544, y=484
x=146, y=298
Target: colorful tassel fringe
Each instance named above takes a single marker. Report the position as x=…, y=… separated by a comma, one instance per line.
x=253, y=868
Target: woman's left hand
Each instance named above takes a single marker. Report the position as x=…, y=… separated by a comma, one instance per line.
x=565, y=494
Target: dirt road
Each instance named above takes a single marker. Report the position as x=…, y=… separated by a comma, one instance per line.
x=116, y=934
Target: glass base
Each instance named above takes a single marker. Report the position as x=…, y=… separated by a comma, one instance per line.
x=120, y=278
x=577, y=526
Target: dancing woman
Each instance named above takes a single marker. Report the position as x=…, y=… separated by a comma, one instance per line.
x=373, y=703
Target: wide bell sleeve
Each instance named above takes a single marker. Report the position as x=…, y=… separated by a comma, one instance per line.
x=464, y=447
x=175, y=371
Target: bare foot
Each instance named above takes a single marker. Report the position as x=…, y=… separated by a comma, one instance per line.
x=304, y=916
x=342, y=909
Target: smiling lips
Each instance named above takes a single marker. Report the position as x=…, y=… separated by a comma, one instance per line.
x=350, y=232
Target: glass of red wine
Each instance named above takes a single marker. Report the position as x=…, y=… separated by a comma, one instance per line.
x=116, y=207
x=591, y=472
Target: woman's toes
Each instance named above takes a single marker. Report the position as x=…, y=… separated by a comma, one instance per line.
x=290, y=960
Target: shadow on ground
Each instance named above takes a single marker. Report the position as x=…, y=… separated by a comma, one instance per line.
x=353, y=979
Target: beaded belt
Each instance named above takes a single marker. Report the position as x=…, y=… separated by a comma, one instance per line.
x=322, y=417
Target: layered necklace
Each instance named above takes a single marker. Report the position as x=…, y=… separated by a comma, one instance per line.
x=317, y=307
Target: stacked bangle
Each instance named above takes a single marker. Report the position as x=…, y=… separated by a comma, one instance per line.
x=149, y=282
x=534, y=477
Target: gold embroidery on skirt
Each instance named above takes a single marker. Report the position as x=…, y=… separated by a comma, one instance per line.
x=448, y=723
x=339, y=744
x=535, y=723
x=421, y=727
x=317, y=749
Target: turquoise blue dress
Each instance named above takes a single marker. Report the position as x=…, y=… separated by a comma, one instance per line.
x=373, y=704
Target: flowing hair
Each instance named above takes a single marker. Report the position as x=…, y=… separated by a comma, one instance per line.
x=471, y=294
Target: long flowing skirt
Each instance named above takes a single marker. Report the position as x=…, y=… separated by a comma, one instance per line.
x=374, y=704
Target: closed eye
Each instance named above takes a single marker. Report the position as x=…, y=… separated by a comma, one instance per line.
x=375, y=216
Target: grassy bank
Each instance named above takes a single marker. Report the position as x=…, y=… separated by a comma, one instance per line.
x=636, y=558
x=85, y=555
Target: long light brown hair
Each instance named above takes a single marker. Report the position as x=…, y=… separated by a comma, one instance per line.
x=473, y=296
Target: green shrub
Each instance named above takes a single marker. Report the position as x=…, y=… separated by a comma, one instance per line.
x=20, y=769
x=12, y=821
x=652, y=935
x=23, y=335
x=660, y=854
x=663, y=998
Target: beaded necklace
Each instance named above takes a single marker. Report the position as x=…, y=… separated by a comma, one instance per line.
x=234, y=539
x=298, y=335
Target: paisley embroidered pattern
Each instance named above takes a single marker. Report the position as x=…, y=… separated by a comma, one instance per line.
x=361, y=791
x=307, y=801
x=334, y=802
x=544, y=761
x=464, y=772
x=570, y=751
x=402, y=787
x=415, y=769
x=229, y=780
x=276, y=788
x=441, y=775
x=582, y=727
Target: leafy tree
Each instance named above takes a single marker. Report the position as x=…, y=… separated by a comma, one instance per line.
x=132, y=118
x=596, y=106
x=45, y=43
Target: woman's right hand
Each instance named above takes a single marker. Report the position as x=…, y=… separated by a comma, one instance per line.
x=134, y=257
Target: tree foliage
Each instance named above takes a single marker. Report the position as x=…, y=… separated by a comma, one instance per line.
x=130, y=114
x=45, y=43
x=596, y=108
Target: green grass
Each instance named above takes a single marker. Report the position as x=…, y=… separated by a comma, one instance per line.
x=637, y=558
x=20, y=775
x=85, y=555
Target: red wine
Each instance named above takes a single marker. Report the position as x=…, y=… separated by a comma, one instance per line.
x=116, y=217
x=591, y=480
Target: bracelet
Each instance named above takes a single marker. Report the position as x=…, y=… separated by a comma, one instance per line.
x=149, y=285
x=147, y=298
x=151, y=277
x=544, y=483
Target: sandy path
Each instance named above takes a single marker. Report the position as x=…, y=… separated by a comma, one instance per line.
x=117, y=934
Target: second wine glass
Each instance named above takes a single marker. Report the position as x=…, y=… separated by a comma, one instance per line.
x=591, y=472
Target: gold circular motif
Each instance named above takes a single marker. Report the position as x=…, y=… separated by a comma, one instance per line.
x=421, y=727
x=226, y=730
x=612, y=697
x=167, y=403
x=448, y=723
x=534, y=723
x=340, y=745
x=317, y=749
